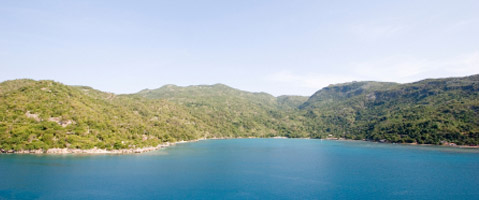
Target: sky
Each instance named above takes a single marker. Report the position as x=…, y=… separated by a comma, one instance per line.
x=279, y=47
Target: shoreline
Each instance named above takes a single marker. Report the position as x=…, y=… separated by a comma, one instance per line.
x=452, y=145
x=97, y=151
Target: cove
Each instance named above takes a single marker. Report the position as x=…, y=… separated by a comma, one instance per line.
x=249, y=169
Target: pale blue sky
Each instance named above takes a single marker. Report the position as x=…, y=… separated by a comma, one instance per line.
x=279, y=47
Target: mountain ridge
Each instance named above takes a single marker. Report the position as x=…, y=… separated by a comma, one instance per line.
x=46, y=114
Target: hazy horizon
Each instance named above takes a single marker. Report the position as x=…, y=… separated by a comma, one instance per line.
x=277, y=47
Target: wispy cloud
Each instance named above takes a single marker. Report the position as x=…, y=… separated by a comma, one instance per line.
x=409, y=68
x=462, y=25
x=400, y=69
x=377, y=30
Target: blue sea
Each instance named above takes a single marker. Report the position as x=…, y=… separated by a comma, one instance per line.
x=249, y=169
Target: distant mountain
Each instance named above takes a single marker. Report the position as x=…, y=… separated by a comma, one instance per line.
x=291, y=101
x=232, y=112
x=48, y=114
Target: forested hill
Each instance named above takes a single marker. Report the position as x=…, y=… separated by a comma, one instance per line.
x=429, y=111
x=231, y=112
x=48, y=114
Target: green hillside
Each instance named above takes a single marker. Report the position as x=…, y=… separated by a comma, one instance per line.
x=48, y=114
x=231, y=112
x=428, y=111
x=290, y=102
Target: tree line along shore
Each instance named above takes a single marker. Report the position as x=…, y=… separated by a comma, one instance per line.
x=49, y=116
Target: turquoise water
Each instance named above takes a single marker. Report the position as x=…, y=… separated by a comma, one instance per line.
x=249, y=169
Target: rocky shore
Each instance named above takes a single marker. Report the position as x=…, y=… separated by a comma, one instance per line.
x=94, y=150
x=148, y=149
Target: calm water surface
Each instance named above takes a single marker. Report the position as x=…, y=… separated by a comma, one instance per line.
x=249, y=169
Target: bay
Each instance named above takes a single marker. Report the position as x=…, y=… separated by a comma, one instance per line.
x=249, y=169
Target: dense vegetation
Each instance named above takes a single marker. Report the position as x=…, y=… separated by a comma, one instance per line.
x=431, y=111
x=47, y=114
x=232, y=113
